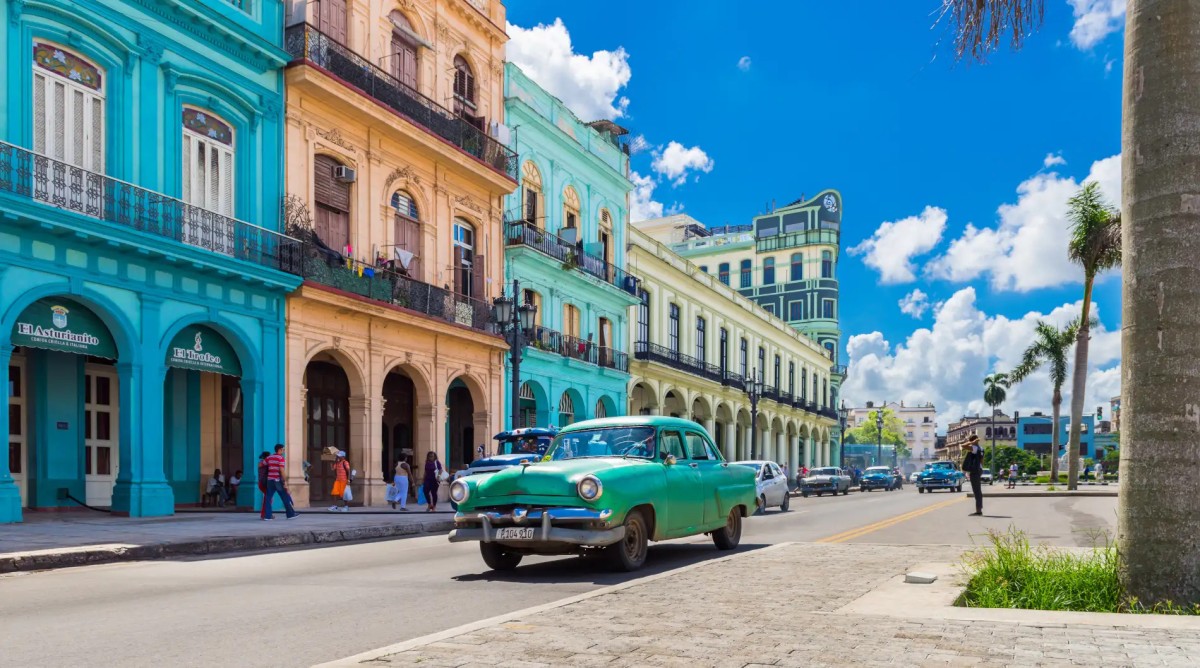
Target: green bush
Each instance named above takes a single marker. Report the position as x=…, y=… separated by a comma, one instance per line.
x=1062, y=477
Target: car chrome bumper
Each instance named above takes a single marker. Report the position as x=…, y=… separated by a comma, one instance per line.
x=549, y=523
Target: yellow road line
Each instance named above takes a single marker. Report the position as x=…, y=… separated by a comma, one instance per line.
x=883, y=524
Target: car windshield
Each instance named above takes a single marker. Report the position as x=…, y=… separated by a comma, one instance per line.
x=879, y=469
x=823, y=472
x=604, y=442
x=940, y=465
x=524, y=445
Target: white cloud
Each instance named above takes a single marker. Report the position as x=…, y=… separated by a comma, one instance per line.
x=589, y=85
x=894, y=245
x=1095, y=20
x=675, y=162
x=639, y=145
x=946, y=363
x=744, y=63
x=915, y=304
x=1053, y=159
x=1027, y=249
x=642, y=205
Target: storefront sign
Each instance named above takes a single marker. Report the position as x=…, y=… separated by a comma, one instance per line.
x=63, y=325
x=200, y=348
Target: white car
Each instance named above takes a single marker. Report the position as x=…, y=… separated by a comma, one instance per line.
x=912, y=477
x=772, y=485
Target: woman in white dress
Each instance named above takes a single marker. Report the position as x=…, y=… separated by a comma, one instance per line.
x=400, y=485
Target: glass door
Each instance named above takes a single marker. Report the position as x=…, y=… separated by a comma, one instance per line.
x=100, y=433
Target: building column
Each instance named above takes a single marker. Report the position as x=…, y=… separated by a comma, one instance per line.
x=780, y=453
x=296, y=426
x=481, y=422
x=793, y=457
x=730, y=441
x=10, y=495
x=141, y=489
x=428, y=434
x=253, y=416
x=825, y=452
x=710, y=425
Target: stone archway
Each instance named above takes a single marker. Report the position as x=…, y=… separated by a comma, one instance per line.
x=643, y=400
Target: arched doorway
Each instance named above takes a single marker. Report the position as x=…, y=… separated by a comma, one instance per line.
x=399, y=422
x=673, y=405
x=328, y=424
x=460, y=425
x=642, y=400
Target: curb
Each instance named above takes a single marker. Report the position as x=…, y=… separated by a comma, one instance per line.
x=107, y=554
x=421, y=641
x=1032, y=495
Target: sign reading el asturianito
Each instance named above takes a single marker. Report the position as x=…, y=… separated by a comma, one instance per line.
x=200, y=348
x=64, y=325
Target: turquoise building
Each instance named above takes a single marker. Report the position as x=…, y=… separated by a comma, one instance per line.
x=565, y=244
x=142, y=276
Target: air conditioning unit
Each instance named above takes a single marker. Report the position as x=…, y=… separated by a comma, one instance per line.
x=345, y=174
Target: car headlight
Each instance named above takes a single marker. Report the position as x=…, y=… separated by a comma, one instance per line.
x=590, y=488
x=459, y=491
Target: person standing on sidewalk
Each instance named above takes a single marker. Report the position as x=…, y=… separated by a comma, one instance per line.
x=341, y=480
x=276, y=485
x=972, y=464
x=433, y=476
x=262, y=482
x=401, y=481
x=1013, y=470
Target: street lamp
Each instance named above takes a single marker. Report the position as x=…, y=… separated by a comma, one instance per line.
x=879, y=434
x=843, y=413
x=754, y=389
x=516, y=324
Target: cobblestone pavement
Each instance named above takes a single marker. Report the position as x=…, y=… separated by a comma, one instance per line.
x=777, y=607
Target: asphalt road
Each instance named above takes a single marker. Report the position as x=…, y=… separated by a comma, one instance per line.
x=312, y=605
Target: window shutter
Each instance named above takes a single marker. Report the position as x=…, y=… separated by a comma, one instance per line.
x=59, y=111
x=227, y=181
x=478, y=276
x=187, y=168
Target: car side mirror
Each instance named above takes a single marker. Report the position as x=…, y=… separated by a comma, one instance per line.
x=669, y=460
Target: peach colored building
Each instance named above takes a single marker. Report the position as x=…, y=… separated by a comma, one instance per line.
x=395, y=179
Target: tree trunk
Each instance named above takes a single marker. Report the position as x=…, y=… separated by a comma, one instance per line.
x=1079, y=386
x=1056, y=405
x=1158, y=516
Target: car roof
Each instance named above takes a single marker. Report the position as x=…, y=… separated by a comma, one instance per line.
x=760, y=462
x=633, y=421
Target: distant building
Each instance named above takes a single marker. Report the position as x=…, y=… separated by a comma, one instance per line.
x=920, y=424
x=1035, y=433
x=1115, y=412
x=1004, y=428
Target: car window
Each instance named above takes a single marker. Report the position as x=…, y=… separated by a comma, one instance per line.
x=775, y=470
x=768, y=474
x=696, y=449
x=672, y=444
x=712, y=452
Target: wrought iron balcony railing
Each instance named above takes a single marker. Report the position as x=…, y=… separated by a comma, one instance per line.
x=580, y=349
x=644, y=350
x=838, y=369
x=522, y=233
x=383, y=285
x=306, y=43
x=796, y=239
x=35, y=177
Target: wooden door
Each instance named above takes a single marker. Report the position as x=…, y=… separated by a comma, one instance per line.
x=100, y=433
x=333, y=19
x=328, y=422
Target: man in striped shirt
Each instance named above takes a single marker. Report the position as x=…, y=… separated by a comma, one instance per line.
x=277, y=484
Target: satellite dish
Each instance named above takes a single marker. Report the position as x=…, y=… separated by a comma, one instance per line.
x=404, y=257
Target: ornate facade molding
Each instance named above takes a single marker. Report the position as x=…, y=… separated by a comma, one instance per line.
x=406, y=173
x=467, y=202
x=334, y=136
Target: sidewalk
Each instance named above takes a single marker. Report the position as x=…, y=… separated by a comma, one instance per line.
x=999, y=489
x=58, y=540
x=798, y=605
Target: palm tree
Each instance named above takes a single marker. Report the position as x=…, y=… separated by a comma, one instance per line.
x=1049, y=347
x=1158, y=511
x=994, y=394
x=1096, y=246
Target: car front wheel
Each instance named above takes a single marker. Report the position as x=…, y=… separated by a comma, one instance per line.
x=498, y=558
x=630, y=552
x=787, y=502
x=728, y=536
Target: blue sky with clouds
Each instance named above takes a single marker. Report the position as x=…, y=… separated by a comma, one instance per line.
x=954, y=176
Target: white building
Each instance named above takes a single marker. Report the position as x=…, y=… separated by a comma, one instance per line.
x=920, y=424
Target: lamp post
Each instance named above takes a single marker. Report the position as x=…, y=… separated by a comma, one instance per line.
x=754, y=389
x=515, y=323
x=879, y=434
x=843, y=413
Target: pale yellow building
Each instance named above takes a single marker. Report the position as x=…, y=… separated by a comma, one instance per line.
x=697, y=342
x=396, y=176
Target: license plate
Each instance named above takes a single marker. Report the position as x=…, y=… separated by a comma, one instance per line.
x=514, y=533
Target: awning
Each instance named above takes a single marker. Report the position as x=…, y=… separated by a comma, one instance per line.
x=201, y=348
x=64, y=325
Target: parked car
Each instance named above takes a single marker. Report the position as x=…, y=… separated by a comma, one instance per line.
x=827, y=480
x=512, y=447
x=609, y=486
x=772, y=485
x=940, y=475
x=877, y=477
x=986, y=477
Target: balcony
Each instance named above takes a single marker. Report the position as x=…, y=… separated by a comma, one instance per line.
x=37, y=178
x=838, y=370
x=309, y=45
x=651, y=352
x=326, y=267
x=522, y=233
x=580, y=349
x=797, y=239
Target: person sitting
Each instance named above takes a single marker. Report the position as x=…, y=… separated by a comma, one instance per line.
x=234, y=481
x=214, y=493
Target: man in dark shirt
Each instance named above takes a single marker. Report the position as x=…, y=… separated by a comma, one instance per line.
x=973, y=466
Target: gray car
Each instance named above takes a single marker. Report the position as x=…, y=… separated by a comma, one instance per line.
x=827, y=480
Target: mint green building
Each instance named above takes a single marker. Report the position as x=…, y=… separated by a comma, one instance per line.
x=565, y=245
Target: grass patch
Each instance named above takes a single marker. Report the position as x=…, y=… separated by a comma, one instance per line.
x=1062, y=477
x=1011, y=573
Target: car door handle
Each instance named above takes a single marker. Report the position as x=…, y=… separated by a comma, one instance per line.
x=694, y=465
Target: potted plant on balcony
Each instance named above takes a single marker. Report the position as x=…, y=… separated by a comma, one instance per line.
x=570, y=261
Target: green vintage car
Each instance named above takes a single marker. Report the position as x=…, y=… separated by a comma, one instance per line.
x=609, y=486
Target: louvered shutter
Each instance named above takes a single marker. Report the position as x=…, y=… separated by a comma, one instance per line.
x=333, y=19
x=329, y=191
x=478, y=276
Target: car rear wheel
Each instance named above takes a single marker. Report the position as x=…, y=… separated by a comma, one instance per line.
x=804, y=494
x=787, y=502
x=762, y=505
x=958, y=489
x=845, y=492
x=728, y=536
x=630, y=552
x=498, y=558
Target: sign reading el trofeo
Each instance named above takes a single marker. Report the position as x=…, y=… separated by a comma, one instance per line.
x=65, y=326
x=199, y=348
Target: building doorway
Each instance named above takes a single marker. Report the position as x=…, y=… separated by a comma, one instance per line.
x=399, y=422
x=460, y=425
x=328, y=424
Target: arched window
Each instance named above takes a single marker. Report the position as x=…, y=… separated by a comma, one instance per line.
x=745, y=274
x=531, y=179
x=405, y=44
x=68, y=108
x=826, y=264
x=797, y=267
x=407, y=234
x=606, y=233
x=570, y=214
x=601, y=411
x=566, y=410
x=528, y=415
x=207, y=162
x=769, y=271
x=468, y=265
x=464, y=84
x=332, y=199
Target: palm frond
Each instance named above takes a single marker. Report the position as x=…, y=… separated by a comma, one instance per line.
x=980, y=25
x=1095, y=242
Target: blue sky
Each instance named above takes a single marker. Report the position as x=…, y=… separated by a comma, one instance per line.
x=743, y=104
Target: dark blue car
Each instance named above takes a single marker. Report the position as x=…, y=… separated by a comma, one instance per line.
x=940, y=475
x=877, y=477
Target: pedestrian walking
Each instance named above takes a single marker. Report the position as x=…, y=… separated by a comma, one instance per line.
x=277, y=484
x=341, y=484
x=1013, y=469
x=262, y=482
x=972, y=464
x=433, y=478
x=401, y=481
x=1100, y=472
